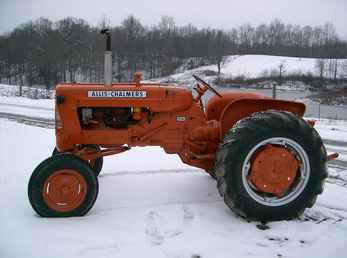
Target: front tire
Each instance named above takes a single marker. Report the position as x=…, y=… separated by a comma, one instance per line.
x=63, y=186
x=96, y=164
x=270, y=166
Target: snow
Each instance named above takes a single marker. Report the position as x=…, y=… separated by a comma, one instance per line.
x=41, y=103
x=38, y=108
x=331, y=129
x=249, y=66
x=27, y=111
x=255, y=65
x=151, y=205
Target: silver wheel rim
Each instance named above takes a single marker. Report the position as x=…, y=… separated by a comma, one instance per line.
x=300, y=181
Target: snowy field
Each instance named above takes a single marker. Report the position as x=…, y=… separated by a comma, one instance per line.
x=248, y=66
x=251, y=66
x=152, y=205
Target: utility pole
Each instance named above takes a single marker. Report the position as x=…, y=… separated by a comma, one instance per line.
x=274, y=89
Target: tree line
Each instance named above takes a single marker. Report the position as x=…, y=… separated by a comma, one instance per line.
x=43, y=52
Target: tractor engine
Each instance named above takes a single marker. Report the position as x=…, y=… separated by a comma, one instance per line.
x=112, y=117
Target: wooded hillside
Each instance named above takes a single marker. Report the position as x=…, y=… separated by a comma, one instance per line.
x=45, y=52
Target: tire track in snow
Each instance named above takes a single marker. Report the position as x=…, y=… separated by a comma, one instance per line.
x=334, y=143
x=29, y=120
x=26, y=106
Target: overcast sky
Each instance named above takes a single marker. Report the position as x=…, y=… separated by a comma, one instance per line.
x=224, y=14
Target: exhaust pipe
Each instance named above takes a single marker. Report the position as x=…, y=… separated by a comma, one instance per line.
x=108, y=58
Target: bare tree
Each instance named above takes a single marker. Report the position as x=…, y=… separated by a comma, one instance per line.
x=321, y=67
x=332, y=68
x=43, y=52
x=105, y=22
x=220, y=50
x=344, y=69
x=246, y=32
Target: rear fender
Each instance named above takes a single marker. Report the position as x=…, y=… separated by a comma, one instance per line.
x=239, y=109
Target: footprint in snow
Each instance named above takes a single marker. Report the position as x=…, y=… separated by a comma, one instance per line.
x=188, y=214
x=100, y=249
x=153, y=230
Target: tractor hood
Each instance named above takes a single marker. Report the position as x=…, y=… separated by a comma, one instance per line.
x=158, y=98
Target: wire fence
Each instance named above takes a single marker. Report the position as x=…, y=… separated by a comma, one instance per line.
x=25, y=91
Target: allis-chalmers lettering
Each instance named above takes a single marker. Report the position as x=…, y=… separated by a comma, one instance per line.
x=116, y=94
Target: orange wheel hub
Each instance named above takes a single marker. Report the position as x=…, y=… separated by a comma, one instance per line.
x=273, y=169
x=64, y=190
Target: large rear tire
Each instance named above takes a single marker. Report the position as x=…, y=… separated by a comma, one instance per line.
x=63, y=186
x=270, y=166
x=96, y=164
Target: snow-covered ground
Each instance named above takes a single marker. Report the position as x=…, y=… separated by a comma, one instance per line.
x=331, y=129
x=152, y=205
x=250, y=66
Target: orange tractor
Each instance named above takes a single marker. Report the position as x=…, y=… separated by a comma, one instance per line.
x=268, y=162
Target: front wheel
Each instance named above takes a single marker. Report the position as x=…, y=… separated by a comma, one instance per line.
x=62, y=186
x=271, y=166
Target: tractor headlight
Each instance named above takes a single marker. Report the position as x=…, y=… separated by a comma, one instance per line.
x=58, y=123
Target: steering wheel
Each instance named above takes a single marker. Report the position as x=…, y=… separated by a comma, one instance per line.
x=207, y=85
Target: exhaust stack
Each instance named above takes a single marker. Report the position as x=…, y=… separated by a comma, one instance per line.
x=108, y=58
